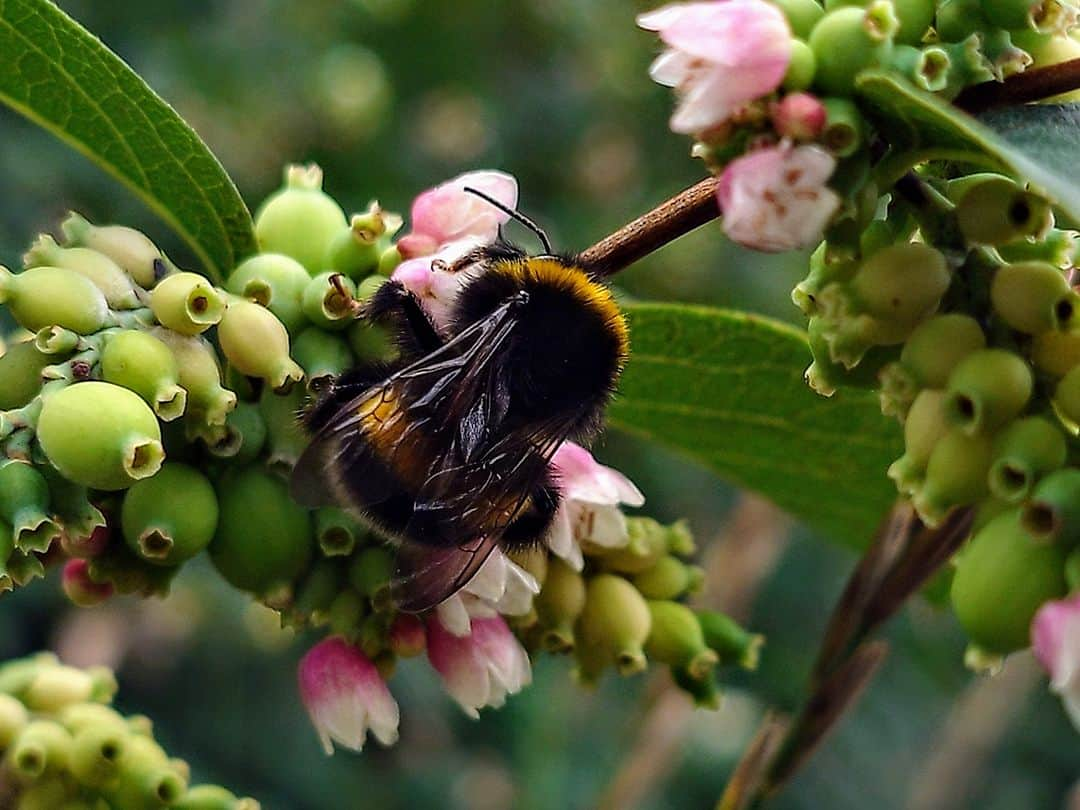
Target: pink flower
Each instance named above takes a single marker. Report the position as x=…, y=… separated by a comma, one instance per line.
x=447, y=213
x=1055, y=637
x=589, y=513
x=720, y=56
x=776, y=199
x=345, y=696
x=78, y=586
x=479, y=669
x=432, y=281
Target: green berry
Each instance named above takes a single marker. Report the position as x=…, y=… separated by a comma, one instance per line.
x=848, y=40
x=844, y=127
x=646, y=545
x=316, y=590
x=1033, y=297
x=285, y=437
x=212, y=797
x=100, y=435
x=996, y=211
x=676, y=639
x=139, y=361
x=276, y=282
x=132, y=250
x=20, y=373
x=987, y=389
x=615, y=622
x=171, y=517
x=13, y=719
x=902, y=284
x=263, y=539
x=802, y=15
x=733, y=643
x=336, y=531
x=24, y=505
x=256, y=344
x=96, y=751
x=246, y=429
x=105, y=274
x=300, y=220
x=938, y=345
x=1052, y=515
x=199, y=375
x=147, y=777
x=186, y=303
x=329, y=301
x=927, y=68
x=43, y=746
x=355, y=250
x=371, y=571
x=1025, y=451
x=802, y=66
x=1002, y=578
x=669, y=578
x=368, y=341
x=956, y=475
x=1054, y=352
x=53, y=296
x=322, y=355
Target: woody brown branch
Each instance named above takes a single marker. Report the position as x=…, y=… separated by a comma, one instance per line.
x=1021, y=88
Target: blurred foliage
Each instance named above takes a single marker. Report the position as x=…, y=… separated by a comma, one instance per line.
x=391, y=96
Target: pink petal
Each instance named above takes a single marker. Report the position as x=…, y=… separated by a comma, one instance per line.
x=671, y=68
x=448, y=213
x=730, y=33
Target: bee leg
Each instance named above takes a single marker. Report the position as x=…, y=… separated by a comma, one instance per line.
x=346, y=386
x=398, y=308
x=532, y=524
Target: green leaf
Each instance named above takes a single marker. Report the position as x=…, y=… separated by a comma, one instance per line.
x=53, y=71
x=1042, y=152
x=727, y=389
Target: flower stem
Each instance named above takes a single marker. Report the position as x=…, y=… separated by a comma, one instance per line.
x=1021, y=88
x=665, y=223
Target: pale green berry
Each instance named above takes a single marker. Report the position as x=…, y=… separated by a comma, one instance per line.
x=13, y=719
x=186, y=303
x=902, y=284
x=256, y=344
x=1053, y=512
x=330, y=301
x=926, y=424
x=389, y=259
x=246, y=434
x=285, y=437
x=914, y=17
x=938, y=345
x=844, y=127
x=987, y=389
x=1047, y=16
x=615, y=622
x=1002, y=578
x=927, y=68
x=147, y=778
x=55, y=340
x=100, y=435
x=1067, y=396
x=53, y=296
x=675, y=638
x=316, y=590
x=106, y=274
x=956, y=475
x=848, y=40
x=132, y=250
x=997, y=211
x=277, y=282
x=43, y=746
x=263, y=539
x=300, y=220
x=1033, y=297
x=53, y=689
x=171, y=517
x=199, y=375
x=646, y=545
x=212, y=797
x=1025, y=451
x=958, y=19
x=802, y=65
x=355, y=250
x=24, y=505
x=141, y=362
x=96, y=752
x=558, y=605
x=346, y=613
x=669, y=578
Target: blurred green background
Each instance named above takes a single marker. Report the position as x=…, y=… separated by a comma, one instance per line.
x=391, y=97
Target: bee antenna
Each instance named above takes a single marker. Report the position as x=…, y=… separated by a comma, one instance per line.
x=514, y=214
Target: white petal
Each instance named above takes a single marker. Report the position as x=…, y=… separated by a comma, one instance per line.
x=560, y=539
x=521, y=587
x=671, y=68
x=490, y=581
x=454, y=616
x=603, y=526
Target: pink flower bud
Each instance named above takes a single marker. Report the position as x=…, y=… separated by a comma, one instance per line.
x=592, y=494
x=799, y=116
x=481, y=668
x=431, y=279
x=720, y=56
x=776, y=199
x=79, y=588
x=407, y=637
x=447, y=213
x=345, y=696
x=1055, y=637
x=85, y=546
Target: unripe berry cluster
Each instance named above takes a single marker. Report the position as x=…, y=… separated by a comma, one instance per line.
x=63, y=746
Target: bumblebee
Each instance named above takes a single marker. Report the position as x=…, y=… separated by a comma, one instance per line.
x=446, y=450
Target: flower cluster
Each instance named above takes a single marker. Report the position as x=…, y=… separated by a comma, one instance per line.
x=948, y=289
x=64, y=746
x=150, y=415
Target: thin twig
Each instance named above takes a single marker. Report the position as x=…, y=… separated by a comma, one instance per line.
x=1021, y=88
x=681, y=214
